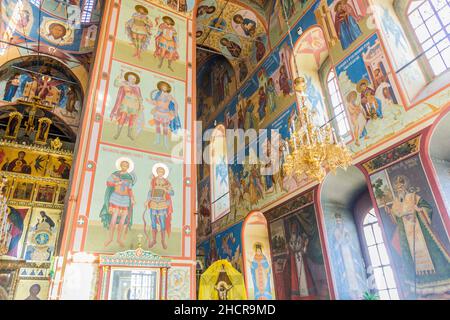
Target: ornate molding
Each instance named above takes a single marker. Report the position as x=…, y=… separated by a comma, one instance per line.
x=135, y=258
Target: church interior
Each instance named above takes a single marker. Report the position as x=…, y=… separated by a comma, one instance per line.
x=224, y=149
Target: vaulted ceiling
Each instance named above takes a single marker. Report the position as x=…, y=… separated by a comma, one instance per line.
x=235, y=29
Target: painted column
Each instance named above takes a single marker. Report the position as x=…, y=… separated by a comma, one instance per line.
x=134, y=166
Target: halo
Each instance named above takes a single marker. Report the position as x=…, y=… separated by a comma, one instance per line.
x=130, y=73
x=160, y=165
x=122, y=159
x=360, y=83
x=162, y=83
x=141, y=7
x=168, y=20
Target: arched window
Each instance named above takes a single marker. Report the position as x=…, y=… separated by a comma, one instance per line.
x=87, y=11
x=337, y=107
x=220, y=188
x=431, y=23
x=379, y=259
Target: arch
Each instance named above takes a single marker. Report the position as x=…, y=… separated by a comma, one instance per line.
x=436, y=156
x=255, y=236
x=337, y=195
x=220, y=187
x=60, y=89
x=311, y=50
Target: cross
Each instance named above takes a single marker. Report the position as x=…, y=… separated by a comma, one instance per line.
x=80, y=221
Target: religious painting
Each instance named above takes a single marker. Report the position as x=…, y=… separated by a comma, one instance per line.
x=346, y=259
x=229, y=246
x=32, y=289
x=158, y=38
x=22, y=191
x=415, y=233
x=400, y=51
x=57, y=32
x=42, y=234
x=230, y=46
x=62, y=192
x=19, y=161
x=259, y=50
x=346, y=22
x=7, y=281
x=14, y=238
x=43, y=130
x=144, y=111
x=14, y=122
x=204, y=211
x=24, y=15
x=258, y=263
x=59, y=167
x=179, y=283
x=283, y=10
x=135, y=194
x=299, y=273
x=217, y=83
x=45, y=193
x=369, y=93
x=205, y=11
x=244, y=23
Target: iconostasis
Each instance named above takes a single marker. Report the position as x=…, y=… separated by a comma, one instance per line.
x=44, y=63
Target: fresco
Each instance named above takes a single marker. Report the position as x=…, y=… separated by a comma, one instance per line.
x=135, y=193
x=228, y=244
x=204, y=253
x=204, y=205
x=157, y=38
x=414, y=229
x=237, y=32
x=179, y=283
x=282, y=9
x=370, y=95
x=216, y=83
x=144, y=110
x=258, y=263
x=72, y=43
x=400, y=52
x=298, y=265
x=7, y=278
x=346, y=261
x=251, y=188
x=57, y=90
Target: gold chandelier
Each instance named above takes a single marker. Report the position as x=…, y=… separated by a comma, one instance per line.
x=314, y=149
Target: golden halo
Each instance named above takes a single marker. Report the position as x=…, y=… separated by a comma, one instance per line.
x=139, y=7
x=360, y=83
x=164, y=83
x=168, y=20
x=138, y=79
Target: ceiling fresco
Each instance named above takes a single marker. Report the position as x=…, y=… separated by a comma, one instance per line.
x=66, y=30
x=237, y=30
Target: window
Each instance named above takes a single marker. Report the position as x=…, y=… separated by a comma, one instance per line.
x=379, y=259
x=338, y=112
x=87, y=11
x=220, y=188
x=431, y=23
x=37, y=3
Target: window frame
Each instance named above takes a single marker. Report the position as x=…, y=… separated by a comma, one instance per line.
x=444, y=28
x=376, y=244
x=334, y=116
